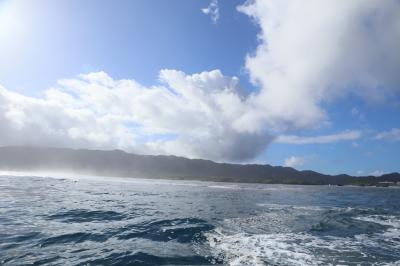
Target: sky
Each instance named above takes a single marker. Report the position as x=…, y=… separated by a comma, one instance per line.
x=310, y=85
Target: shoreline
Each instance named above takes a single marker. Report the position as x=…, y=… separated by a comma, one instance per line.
x=188, y=181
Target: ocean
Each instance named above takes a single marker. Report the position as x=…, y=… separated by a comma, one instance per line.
x=70, y=220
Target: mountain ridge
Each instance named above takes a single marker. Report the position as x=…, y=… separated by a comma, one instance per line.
x=119, y=163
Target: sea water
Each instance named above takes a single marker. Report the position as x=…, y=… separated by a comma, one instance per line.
x=113, y=221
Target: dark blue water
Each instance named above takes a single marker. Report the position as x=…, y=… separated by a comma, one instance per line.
x=90, y=221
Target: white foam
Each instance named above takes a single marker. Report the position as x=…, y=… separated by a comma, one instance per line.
x=231, y=244
x=225, y=187
x=297, y=207
x=388, y=220
x=286, y=248
x=82, y=177
x=261, y=249
x=396, y=263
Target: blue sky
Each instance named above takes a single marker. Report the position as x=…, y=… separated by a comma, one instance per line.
x=333, y=106
x=128, y=39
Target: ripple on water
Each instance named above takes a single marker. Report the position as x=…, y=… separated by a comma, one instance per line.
x=144, y=259
x=343, y=223
x=181, y=230
x=111, y=223
x=83, y=215
x=77, y=237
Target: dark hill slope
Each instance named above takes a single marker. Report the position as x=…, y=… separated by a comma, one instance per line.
x=122, y=164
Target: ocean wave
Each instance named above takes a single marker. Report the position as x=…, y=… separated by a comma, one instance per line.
x=82, y=215
x=388, y=220
x=181, y=230
x=306, y=248
x=142, y=258
x=48, y=221
x=225, y=187
x=77, y=237
x=286, y=206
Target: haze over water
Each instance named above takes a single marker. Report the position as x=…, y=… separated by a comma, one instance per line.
x=100, y=221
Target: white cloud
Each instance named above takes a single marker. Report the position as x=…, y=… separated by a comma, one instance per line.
x=359, y=172
x=342, y=136
x=377, y=173
x=391, y=135
x=195, y=115
x=294, y=161
x=312, y=52
x=212, y=10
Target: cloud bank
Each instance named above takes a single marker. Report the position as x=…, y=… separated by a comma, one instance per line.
x=309, y=54
x=312, y=52
x=192, y=115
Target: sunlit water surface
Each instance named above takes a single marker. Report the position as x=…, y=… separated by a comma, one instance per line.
x=100, y=221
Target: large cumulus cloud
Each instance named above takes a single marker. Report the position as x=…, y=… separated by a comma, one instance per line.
x=191, y=115
x=312, y=52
